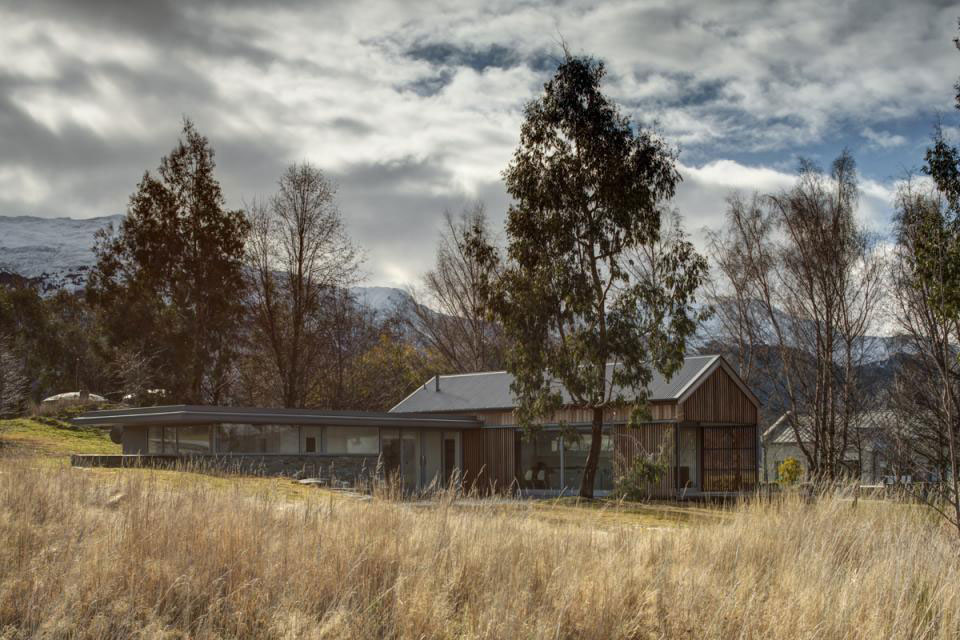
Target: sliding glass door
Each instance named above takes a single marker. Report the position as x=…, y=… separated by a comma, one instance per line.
x=432, y=461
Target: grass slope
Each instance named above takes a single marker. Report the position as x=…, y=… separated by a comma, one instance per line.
x=136, y=553
x=51, y=437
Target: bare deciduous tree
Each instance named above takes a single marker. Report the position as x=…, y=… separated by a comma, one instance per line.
x=134, y=369
x=738, y=316
x=927, y=393
x=808, y=278
x=299, y=251
x=448, y=316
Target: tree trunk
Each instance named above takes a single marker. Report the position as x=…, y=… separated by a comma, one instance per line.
x=593, y=457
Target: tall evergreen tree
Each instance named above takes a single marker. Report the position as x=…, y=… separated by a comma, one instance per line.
x=169, y=281
x=589, y=191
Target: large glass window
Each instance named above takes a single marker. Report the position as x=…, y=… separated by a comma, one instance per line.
x=575, y=459
x=157, y=443
x=353, y=440
x=256, y=438
x=540, y=461
x=193, y=440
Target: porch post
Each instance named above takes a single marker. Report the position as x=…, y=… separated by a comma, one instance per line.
x=676, y=459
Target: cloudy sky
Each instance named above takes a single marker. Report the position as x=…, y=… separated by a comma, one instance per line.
x=413, y=110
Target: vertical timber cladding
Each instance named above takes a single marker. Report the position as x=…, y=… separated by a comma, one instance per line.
x=474, y=458
x=729, y=458
x=719, y=399
x=489, y=454
x=501, y=459
x=656, y=440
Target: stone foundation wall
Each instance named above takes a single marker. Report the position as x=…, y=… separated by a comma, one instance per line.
x=350, y=469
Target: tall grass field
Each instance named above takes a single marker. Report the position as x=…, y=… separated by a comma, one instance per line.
x=129, y=554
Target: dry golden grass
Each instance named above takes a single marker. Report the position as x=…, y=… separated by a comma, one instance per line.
x=96, y=555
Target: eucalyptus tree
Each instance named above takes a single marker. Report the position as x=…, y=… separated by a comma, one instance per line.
x=589, y=189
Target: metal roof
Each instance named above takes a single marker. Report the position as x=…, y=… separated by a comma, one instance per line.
x=491, y=389
x=184, y=415
x=869, y=423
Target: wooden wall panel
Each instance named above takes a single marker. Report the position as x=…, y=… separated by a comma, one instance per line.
x=500, y=459
x=474, y=458
x=719, y=400
x=660, y=410
x=629, y=442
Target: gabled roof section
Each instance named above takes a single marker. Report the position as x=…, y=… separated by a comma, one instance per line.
x=868, y=423
x=490, y=390
x=184, y=415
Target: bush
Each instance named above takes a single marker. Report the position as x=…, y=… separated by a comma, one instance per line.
x=640, y=474
x=789, y=472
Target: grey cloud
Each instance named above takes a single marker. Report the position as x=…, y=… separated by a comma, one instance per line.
x=438, y=89
x=395, y=210
x=444, y=53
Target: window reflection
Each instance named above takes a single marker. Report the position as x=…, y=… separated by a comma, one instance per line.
x=540, y=461
x=353, y=440
x=575, y=460
x=251, y=438
x=193, y=440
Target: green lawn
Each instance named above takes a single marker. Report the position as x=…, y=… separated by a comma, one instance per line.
x=56, y=439
x=51, y=437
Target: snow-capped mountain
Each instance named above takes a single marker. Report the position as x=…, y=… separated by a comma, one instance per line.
x=57, y=253
x=54, y=253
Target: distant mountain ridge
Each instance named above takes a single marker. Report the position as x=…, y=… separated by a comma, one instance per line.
x=53, y=253
x=57, y=253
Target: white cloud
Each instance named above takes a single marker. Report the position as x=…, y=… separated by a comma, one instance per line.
x=883, y=139
x=24, y=183
x=337, y=84
x=701, y=197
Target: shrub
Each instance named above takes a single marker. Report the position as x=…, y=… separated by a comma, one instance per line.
x=639, y=475
x=789, y=472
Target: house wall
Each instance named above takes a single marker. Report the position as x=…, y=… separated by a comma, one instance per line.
x=474, y=458
x=648, y=439
x=134, y=440
x=871, y=470
x=660, y=410
x=718, y=400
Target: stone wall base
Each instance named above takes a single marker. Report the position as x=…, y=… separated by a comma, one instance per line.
x=334, y=469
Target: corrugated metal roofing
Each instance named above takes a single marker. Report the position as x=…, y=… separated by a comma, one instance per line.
x=781, y=431
x=491, y=389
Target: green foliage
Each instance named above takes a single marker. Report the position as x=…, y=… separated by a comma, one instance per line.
x=575, y=294
x=640, y=474
x=789, y=472
x=56, y=339
x=49, y=436
x=169, y=281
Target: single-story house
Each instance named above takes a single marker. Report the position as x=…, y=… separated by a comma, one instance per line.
x=867, y=449
x=704, y=425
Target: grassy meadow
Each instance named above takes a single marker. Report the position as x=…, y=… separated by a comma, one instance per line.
x=164, y=554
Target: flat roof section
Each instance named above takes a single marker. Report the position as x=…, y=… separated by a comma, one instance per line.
x=185, y=415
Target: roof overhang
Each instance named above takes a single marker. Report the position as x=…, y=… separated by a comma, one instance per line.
x=186, y=415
